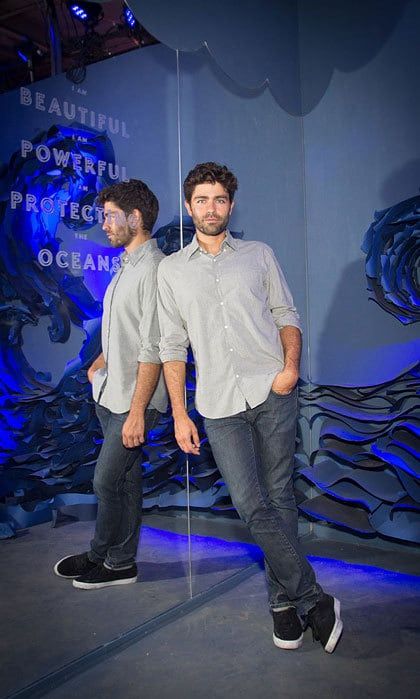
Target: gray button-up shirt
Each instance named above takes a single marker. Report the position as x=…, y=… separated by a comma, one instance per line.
x=130, y=331
x=230, y=308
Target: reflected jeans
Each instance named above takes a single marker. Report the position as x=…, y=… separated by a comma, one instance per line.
x=117, y=483
x=254, y=451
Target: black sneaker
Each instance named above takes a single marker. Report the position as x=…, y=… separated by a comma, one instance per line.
x=287, y=629
x=104, y=577
x=73, y=566
x=324, y=620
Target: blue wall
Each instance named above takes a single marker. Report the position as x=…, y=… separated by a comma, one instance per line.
x=361, y=155
x=361, y=129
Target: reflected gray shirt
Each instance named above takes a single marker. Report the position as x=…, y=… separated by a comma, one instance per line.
x=230, y=308
x=130, y=331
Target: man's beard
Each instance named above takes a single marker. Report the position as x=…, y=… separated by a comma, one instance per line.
x=212, y=228
x=121, y=237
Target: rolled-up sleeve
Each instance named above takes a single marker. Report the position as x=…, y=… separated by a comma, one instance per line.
x=174, y=340
x=149, y=333
x=279, y=295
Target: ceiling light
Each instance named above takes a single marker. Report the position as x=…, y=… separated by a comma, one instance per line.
x=88, y=13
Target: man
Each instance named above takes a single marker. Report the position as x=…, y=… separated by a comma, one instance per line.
x=229, y=300
x=128, y=389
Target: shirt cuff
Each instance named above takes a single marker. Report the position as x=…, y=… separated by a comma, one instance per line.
x=149, y=356
x=288, y=320
x=173, y=355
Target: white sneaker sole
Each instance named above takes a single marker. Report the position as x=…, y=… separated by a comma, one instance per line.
x=337, y=629
x=288, y=645
x=97, y=586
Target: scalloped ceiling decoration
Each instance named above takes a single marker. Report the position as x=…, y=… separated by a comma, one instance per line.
x=260, y=42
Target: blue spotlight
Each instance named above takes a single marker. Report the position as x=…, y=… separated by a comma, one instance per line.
x=89, y=13
x=25, y=58
x=28, y=52
x=129, y=18
x=78, y=12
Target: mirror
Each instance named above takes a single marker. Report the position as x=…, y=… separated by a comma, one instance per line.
x=64, y=142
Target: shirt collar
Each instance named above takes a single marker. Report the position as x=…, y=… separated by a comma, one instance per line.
x=194, y=246
x=138, y=253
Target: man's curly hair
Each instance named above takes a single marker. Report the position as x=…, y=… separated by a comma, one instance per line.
x=134, y=194
x=210, y=172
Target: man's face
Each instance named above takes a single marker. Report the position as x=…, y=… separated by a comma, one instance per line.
x=210, y=208
x=116, y=226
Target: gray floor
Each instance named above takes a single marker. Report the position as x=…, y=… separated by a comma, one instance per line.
x=222, y=649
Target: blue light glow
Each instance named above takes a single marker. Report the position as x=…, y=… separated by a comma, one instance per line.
x=79, y=12
x=129, y=17
x=23, y=56
x=206, y=548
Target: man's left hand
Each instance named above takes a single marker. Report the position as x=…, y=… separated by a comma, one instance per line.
x=133, y=430
x=285, y=381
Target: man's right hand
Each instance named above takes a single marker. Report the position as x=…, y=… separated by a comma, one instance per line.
x=99, y=363
x=186, y=435
x=90, y=373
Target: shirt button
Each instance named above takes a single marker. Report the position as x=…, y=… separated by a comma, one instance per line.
x=231, y=349
x=237, y=376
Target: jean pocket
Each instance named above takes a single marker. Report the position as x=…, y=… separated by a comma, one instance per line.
x=283, y=395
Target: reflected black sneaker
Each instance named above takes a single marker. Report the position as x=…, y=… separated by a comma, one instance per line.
x=324, y=620
x=104, y=577
x=287, y=629
x=73, y=566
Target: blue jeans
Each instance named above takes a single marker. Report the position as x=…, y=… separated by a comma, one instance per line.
x=117, y=483
x=254, y=451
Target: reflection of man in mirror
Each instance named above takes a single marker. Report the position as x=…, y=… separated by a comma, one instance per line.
x=229, y=300
x=128, y=389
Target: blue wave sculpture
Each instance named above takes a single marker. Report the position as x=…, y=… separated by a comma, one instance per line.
x=367, y=466
x=49, y=435
x=392, y=247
